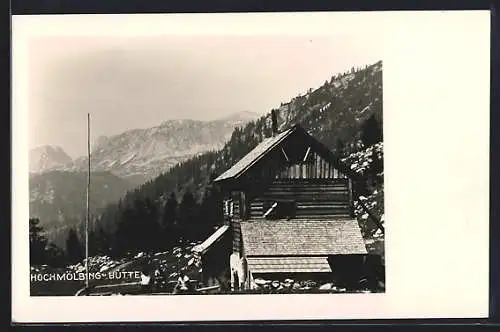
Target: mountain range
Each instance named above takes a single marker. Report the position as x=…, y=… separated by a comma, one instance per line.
x=47, y=157
x=118, y=163
x=139, y=155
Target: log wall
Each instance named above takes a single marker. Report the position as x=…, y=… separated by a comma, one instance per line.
x=313, y=198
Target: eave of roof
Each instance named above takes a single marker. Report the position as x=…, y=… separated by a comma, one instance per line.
x=205, y=245
x=288, y=264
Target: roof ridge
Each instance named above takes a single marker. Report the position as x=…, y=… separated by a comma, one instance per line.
x=273, y=140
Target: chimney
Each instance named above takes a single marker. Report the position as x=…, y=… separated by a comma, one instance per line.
x=274, y=119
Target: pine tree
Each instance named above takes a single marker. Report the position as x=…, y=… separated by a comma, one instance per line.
x=74, y=248
x=56, y=256
x=99, y=242
x=151, y=224
x=125, y=239
x=169, y=219
x=211, y=210
x=38, y=243
x=371, y=132
x=188, y=215
x=340, y=148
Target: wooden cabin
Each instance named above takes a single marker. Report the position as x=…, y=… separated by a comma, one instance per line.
x=289, y=213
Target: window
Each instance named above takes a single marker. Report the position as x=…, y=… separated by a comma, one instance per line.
x=273, y=210
x=228, y=207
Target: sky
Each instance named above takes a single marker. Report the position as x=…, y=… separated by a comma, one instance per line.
x=139, y=81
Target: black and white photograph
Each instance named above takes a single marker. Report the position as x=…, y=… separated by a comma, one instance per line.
x=211, y=163
x=221, y=193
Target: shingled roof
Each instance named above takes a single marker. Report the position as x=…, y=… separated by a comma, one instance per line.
x=302, y=238
x=254, y=155
x=288, y=264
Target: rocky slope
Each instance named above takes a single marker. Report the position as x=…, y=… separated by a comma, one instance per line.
x=142, y=154
x=44, y=158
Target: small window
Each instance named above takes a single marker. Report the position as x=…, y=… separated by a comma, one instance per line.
x=228, y=208
x=273, y=210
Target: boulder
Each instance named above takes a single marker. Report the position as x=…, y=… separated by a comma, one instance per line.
x=260, y=282
x=327, y=286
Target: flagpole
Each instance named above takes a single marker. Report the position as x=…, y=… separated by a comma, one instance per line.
x=88, y=206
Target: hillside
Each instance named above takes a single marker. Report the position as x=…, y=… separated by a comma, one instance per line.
x=335, y=113
x=58, y=198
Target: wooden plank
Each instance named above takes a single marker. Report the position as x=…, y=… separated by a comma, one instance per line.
x=257, y=205
x=305, y=192
x=313, y=166
x=243, y=210
x=299, y=198
x=307, y=153
x=306, y=187
x=308, y=191
x=321, y=209
x=209, y=288
x=284, y=154
x=351, y=201
x=304, y=199
x=312, y=205
x=309, y=182
x=314, y=201
x=321, y=167
x=118, y=285
x=303, y=183
x=320, y=172
x=312, y=181
x=325, y=216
